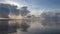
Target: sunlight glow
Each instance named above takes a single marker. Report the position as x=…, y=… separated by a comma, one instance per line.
x=12, y=3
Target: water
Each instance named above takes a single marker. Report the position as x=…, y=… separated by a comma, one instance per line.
x=35, y=27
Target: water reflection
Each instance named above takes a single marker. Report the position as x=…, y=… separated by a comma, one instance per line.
x=26, y=27
x=4, y=26
x=7, y=27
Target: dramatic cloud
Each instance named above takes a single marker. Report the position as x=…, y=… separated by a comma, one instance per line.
x=8, y=9
x=24, y=11
x=51, y=17
x=5, y=9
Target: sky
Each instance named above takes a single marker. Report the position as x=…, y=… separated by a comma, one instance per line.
x=36, y=6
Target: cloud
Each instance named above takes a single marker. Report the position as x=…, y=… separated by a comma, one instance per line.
x=24, y=11
x=14, y=8
x=51, y=17
x=12, y=3
x=5, y=9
